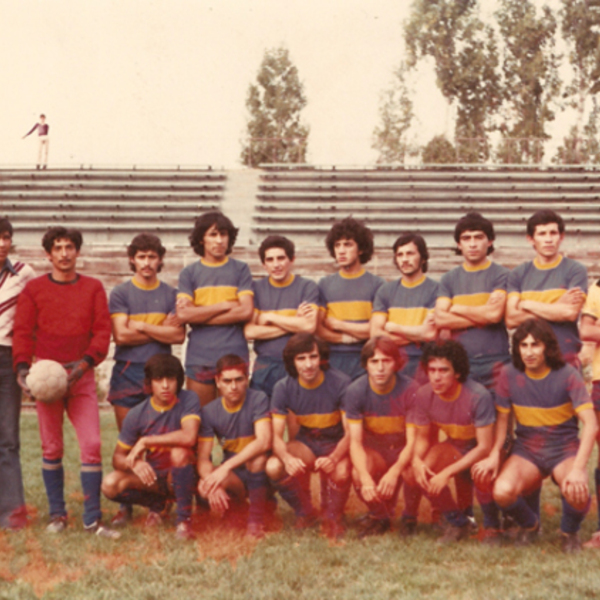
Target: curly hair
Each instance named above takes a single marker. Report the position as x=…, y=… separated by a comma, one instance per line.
x=144, y=242
x=204, y=222
x=384, y=345
x=60, y=233
x=544, y=217
x=300, y=343
x=453, y=351
x=542, y=332
x=418, y=241
x=277, y=241
x=351, y=229
x=231, y=361
x=163, y=365
x=473, y=221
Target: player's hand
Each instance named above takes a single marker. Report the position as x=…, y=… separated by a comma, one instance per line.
x=172, y=321
x=332, y=323
x=218, y=500
x=575, y=487
x=574, y=297
x=368, y=490
x=437, y=483
x=134, y=454
x=485, y=471
x=21, y=377
x=145, y=472
x=387, y=485
x=422, y=474
x=305, y=310
x=214, y=480
x=294, y=466
x=325, y=464
x=80, y=369
x=136, y=325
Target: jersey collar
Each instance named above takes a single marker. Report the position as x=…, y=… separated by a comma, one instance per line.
x=551, y=265
x=486, y=265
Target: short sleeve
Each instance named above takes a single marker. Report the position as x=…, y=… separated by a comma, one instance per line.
x=244, y=284
x=381, y=302
x=207, y=430
x=260, y=409
x=578, y=277
x=279, y=398
x=186, y=284
x=485, y=411
x=117, y=303
x=502, y=396
x=578, y=393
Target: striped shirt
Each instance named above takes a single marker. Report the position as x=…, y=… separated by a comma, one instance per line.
x=13, y=278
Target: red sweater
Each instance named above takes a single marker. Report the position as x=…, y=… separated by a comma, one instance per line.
x=61, y=321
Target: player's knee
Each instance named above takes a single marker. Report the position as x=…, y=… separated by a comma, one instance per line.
x=274, y=469
x=180, y=457
x=257, y=464
x=504, y=492
x=342, y=471
x=110, y=485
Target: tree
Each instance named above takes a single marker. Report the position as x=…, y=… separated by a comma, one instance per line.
x=531, y=82
x=581, y=150
x=396, y=112
x=439, y=151
x=275, y=132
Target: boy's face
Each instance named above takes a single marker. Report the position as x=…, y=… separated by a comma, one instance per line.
x=146, y=264
x=63, y=255
x=232, y=385
x=474, y=246
x=215, y=244
x=308, y=365
x=408, y=260
x=381, y=369
x=533, y=354
x=346, y=253
x=277, y=264
x=442, y=376
x=546, y=240
x=164, y=390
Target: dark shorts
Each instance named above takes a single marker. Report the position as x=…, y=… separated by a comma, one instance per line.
x=389, y=453
x=347, y=362
x=596, y=395
x=127, y=384
x=546, y=459
x=266, y=373
x=319, y=445
x=201, y=374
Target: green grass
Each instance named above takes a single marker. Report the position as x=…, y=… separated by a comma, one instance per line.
x=221, y=564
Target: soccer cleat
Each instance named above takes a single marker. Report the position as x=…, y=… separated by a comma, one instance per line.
x=473, y=527
x=526, y=537
x=491, y=537
x=454, y=534
x=123, y=516
x=408, y=527
x=255, y=531
x=570, y=543
x=183, y=531
x=153, y=519
x=374, y=527
x=57, y=525
x=96, y=528
x=594, y=541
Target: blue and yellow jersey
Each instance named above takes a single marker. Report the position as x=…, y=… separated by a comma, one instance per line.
x=407, y=304
x=544, y=406
x=138, y=303
x=349, y=298
x=383, y=414
x=234, y=429
x=473, y=286
x=547, y=283
x=148, y=418
x=318, y=409
x=206, y=285
x=283, y=298
x=592, y=309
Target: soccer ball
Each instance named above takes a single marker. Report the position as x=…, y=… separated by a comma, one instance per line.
x=47, y=380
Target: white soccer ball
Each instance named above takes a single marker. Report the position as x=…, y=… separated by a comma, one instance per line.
x=47, y=380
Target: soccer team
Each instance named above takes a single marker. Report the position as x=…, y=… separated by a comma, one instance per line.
x=409, y=384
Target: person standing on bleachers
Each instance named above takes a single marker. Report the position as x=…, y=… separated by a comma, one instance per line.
x=43, y=141
x=347, y=296
x=216, y=299
x=285, y=304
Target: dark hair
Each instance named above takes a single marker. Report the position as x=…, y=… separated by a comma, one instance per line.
x=473, y=221
x=452, y=351
x=59, y=233
x=5, y=226
x=144, y=242
x=300, y=343
x=204, y=222
x=277, y=241
x=385, y=345
x=42, y=116
x=418, y=241
x=351, y=229
x=231, y=361
x=163, y=365
x=544, y=217
x=542, y=332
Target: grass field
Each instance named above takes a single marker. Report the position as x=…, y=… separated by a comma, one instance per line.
x=222, y=564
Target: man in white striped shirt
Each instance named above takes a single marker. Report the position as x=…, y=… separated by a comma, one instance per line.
x=13, y=277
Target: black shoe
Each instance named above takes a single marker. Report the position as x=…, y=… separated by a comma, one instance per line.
x=123, y=516
x=526, y=537
x=374, y=527
x=454, y=534
x=408, y=527
x=570, y=543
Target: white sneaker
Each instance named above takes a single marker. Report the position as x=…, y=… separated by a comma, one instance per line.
x=102, y=531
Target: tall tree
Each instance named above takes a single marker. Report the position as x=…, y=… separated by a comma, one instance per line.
x=396, y=113
x=275, y=130
x=466, y=64
x=531, y=80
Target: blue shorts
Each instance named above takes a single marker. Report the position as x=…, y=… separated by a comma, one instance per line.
x=127, y=384
x=266, y=373
x=201, y=374
x=596, y=395
x=347, y=362
x=319, y=445
x=389, y=453
x=545, y=458
x=485, y=370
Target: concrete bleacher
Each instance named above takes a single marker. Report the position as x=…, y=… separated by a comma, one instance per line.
x=109, y=205
x=304, y=201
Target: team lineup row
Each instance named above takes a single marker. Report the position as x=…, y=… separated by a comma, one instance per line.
x=224, y=309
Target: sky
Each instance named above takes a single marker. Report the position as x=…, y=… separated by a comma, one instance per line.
x=162, y=83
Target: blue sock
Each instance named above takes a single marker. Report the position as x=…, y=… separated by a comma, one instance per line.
x=457, y=518
x=155, y=502
x=337, y=497
x=490, y=510
x=91, y=480
x=296, y=495
x=533, y=501
x=184, y=484
x=571, y=517
x=412, y=499
x=257, y=484
x=521, y=512
x=54, y=481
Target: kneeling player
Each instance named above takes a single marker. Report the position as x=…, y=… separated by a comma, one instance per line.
x=313, y=394
x=545, y=395
x=154, y=457
x=239, y=418
x=376, y=406
x=464, y=410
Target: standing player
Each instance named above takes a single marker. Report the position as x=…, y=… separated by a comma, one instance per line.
x=551, y=286
x=215, y=298
x=43, y=141
x=403, y=309
x=284, y=304
x=313, y=394
x=347, y=296
x=13, y=277
x=547, y=398
x=63, y=316
x=377, y=405
x=154, y=458
x=239, y=419
x=464, y=410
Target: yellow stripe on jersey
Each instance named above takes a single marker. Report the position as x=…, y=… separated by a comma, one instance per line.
x=533, y=416
x=150, y=318
x=358, y=310
x=319, y=421
x=471, y=299
x=458, y=432
x=385, y=425
x=408, y=316
x=213, y=295
x=586, y=406
x=238, y=444
x=195, y=417
x=546, y=296
x=123, y=445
